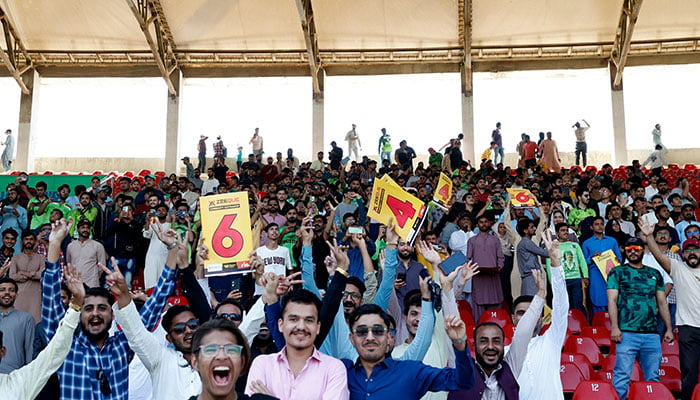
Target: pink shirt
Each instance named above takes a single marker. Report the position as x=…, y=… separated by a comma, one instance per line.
x=323, y=377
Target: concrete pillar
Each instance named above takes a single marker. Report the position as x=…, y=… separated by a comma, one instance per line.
x=468, y=148
x=24, y=160
x=317, y=119
x=619, y=156
x=172, y=126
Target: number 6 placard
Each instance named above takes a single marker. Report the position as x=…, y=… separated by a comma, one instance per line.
x=390, y=200
x=226, y=232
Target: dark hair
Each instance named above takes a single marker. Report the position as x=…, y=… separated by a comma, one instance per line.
x=523, y=224
x=41, y=184
x=270, y=225
x=594, y=219
x=170, y=315
x=10, y=231
x=367, y=309
x=355, y=281
x=63, y=186
x=302, y=296
x=659, y=228
x=485, y=324
x=227, y=301
x=560, y=225
x=522, y=299
x=10, y=280
x=100, y=292
x=413, y=298
x=28, y=233
x=222, y=324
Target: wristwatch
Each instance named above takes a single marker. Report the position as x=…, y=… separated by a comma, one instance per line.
x=172, y=245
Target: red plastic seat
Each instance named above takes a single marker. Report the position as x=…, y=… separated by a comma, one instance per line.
x=671, y=360
x=467, y=317
x=671, y=378
x=599, y=334
x=603, y=375
x=696, y=392
x=576, y=321
x=585, y=346
x=595, y=390
x=580, y=361
x=602, y=318
x=670, y=349
x=649, y=391
x=144, y=172
x=509, y=331
x=609, y=366
x=570, y=376
x=690, y=167
x=498, y=316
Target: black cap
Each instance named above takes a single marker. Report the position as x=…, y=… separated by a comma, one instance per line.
x=634, y=242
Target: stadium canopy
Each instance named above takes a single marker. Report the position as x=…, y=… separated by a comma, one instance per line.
x=231, y=38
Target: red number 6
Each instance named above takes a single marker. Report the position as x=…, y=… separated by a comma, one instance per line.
x=223, y=231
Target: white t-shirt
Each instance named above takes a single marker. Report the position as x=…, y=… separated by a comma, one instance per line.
x=277, y=260
x=687, y=283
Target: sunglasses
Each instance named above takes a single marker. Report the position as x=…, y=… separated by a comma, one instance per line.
x=363, y=330
x=210, y=350
x=104, y=383
x=180, y=327
x=355, y=296
x=691, y=250
x=691, y=233
x=635, y=248
x=230, y=316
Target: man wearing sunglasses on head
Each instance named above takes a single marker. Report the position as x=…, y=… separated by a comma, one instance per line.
x=686, y=281
x=635, y=294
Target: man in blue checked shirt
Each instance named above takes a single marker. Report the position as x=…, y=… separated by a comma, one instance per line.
x=97, y=366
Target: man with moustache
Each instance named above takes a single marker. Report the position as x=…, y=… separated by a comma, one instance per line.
x=485, y=250
x=635, y=292
x=686, y=280
x=86, y=254
x=97, y=365
x=17, y=326
x=25, y=269
x=299, y=370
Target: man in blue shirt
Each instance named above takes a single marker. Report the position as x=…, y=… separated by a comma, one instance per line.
x=375, y=375
x=594, y=246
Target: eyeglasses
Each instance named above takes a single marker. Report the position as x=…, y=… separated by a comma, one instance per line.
x=633, y=247
x=104, y=383
x=354, y=295
x=180, y=327
x=691, y=250
x=363, y=330
x=691, y=233
x=230, y=316
x=210, y=350
x=662, y=233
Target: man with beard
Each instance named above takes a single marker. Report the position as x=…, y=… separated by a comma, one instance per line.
x=84, y=211
x=299, y=370
x=686, y=280
x=688, y=218
x=25, y=269
x=528, y=254
x=287, y=234
x=485, y=250
x=123, y=239
x=85, y=254
x=9, y=239
x=377, y=374
x=408, y=271
x=13, y=217
x=635, y=291
x=495, y=373
x=97, y=365
x=18, y=329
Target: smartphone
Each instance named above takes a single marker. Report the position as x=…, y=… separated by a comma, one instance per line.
x=355, y=230
x=401, y=277
x=125, y=209
x=236, y=284
x=452, y=262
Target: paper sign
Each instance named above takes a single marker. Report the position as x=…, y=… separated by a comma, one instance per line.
x=443, y=191
x=521, y=198
x=390, y=200
x=606, y=261
x=226, y=232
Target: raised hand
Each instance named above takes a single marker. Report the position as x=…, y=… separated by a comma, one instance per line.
x=428, y=252
x=59, y=230
x=202, y=253
x=183, y=260
x=552, y=245
x=646, y=229
x=541, y=282
x=287, y=282
x=74, y=281
x=5, y=267
x=115, y=280
x=424, y=287
x=269, y=282
x=330, y=264
x=167, y=236
x=456, y=330
x=391, y=235
x=469, y=269
x=340, y=253
x=307, y=233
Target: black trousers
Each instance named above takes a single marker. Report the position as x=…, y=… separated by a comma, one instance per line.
x=689, y=348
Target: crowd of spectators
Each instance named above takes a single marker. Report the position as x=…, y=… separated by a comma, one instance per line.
x=337, y=305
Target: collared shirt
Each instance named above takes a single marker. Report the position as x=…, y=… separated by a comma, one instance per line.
x=85, y=256
x=686, y=280
x=322, y=377
x=172, y=375
x=392, y=379
x=18, y=338
x=78, y=373
x=597, y=287
x=27, y=382
x=485, y=250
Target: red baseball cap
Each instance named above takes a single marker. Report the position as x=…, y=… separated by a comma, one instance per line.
x=692, y=242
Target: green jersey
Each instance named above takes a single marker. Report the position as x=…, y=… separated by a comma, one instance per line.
x=572, y=260
x=636, y=300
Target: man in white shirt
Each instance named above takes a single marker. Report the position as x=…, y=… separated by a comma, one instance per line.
x=211, y=184
x=275, y=257
x=544, y=352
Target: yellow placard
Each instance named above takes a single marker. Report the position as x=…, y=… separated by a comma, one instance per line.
x=390, y=200
x=606, y=261
x=521, y=198
x=443, y=191
x=226, y=232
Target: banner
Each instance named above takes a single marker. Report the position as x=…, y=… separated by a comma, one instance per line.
x=606, y=261
x=521, y=198
x=443, y=191
x=226, y=232
x=390, y=200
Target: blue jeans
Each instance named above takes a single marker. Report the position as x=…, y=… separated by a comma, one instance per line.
x=385, y=155
x=575, y=292
x=646, y=347
x=497, y=151
x=126, y=267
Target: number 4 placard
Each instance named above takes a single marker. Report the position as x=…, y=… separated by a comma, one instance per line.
x=389, y=200
x=443, y=192
x=226, y=232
